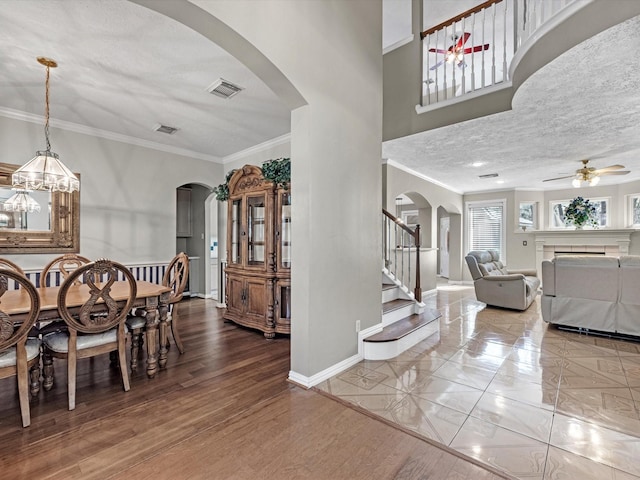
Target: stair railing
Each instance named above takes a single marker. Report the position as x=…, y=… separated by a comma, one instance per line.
x=401, y=249
x=496, y=28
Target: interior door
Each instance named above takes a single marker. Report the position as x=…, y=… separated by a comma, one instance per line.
x=444, y=246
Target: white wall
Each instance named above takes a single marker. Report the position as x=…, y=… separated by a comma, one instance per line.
x=127, y=193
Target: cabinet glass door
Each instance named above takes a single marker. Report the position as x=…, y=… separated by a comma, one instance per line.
x=236, y=228
x=256, y=230
x=285, y=230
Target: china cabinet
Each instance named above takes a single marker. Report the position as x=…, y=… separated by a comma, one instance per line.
x=258, y=271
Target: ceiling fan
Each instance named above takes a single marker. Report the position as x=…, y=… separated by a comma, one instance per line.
x=455, y=53
x=591, y=175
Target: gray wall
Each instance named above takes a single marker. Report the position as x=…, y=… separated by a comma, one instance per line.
x=127, y=193
x=336, y=146
x=520, y=256
x=398, y=181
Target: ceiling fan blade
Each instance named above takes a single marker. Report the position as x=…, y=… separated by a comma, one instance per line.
x=438, y=50
x=617, y=172
x=610, y=167
x=436, y=65
x=477, y=48
x=558, y=178
x=463, y=39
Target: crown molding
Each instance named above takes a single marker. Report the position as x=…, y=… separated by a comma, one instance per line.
x=96, y=132
x=398, y=44
x=408, y=170
x=274, y=142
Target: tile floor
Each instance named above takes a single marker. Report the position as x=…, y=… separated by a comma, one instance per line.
x=503, y=387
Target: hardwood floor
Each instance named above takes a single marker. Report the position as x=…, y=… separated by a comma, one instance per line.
x=222, y=410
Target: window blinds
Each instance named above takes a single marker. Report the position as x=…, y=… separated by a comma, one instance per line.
x=486, y=227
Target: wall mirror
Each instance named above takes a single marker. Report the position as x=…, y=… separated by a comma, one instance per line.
x=55, y=229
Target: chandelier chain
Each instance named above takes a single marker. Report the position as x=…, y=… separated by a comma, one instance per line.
x=46, y=111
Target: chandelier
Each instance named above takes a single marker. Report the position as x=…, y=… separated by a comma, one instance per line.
x=45, y=171
x=21, y=201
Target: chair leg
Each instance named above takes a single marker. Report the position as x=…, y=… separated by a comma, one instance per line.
x=113, y=359
x=136, y=337
x=34, y=373
x=71, y=370
x=122, y=353
x=174, y=329
x=23, y=384
x=48, y=373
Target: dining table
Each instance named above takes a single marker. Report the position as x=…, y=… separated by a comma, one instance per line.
x=151, y=297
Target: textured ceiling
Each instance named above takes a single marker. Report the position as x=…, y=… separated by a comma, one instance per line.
x=124, y=69
x=583, y=105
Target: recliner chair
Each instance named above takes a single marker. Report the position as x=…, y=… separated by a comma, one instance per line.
x=499, y=287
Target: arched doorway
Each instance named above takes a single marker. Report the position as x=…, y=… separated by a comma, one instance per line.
x=196, y=232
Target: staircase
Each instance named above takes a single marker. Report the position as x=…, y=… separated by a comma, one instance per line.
x=405, y=322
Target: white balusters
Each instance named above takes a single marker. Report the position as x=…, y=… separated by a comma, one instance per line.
x=504, y=25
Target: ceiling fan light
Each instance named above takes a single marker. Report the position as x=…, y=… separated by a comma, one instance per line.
x=576, y=183
x=594, y=181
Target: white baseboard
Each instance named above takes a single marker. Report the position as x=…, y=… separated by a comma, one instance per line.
x=325, y=374
x=461, y=282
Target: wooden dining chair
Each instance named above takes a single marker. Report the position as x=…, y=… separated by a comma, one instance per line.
x=65, y=264
x=4, y=263
x=175, y=277
x=19, y=354
x=95, y=320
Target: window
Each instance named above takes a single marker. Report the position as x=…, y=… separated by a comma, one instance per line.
x=486, y=226
x=557, y=208
x=410, y=219
x=633, y=210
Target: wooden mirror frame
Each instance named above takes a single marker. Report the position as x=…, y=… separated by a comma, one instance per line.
x=64, y=236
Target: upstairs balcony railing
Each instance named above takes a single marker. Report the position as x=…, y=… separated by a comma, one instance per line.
x=401, y=253
x=473, y=50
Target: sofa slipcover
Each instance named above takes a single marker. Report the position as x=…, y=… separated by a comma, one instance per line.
x=592, y=292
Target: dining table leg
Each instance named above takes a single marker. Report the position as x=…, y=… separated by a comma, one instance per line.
x=163, y=309
x=151, y=307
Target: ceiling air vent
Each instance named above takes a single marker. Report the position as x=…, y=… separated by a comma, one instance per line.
x=223, y=88
x=488, y=175
x=165, y=129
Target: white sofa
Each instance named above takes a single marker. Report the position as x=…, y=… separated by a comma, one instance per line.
x=592, y=292
x=496, y=285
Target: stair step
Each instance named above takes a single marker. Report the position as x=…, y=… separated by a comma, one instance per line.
x=395, y=305
x=405, y=326
x=388, y=286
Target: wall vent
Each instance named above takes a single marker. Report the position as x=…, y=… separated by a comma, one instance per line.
x=488, y=175
x=165, y=129
x=223, y=88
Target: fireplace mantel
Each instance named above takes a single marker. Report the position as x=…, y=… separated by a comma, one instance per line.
x=606, y=241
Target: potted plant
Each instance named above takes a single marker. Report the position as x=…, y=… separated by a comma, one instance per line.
x=580, y=213
x=277, y=171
